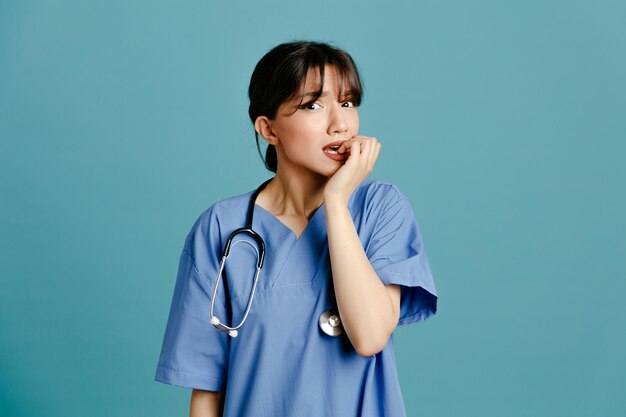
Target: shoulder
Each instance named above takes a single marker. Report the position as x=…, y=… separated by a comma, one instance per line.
x=221, y=209
x=231, y=206
x=380, y=207
x=224, y=214
x=377, y=194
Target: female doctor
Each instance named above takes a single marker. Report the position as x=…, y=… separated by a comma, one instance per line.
x=344, y=262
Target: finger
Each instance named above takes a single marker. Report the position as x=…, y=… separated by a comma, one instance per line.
x=355, y=152
x=366, y=147
x=345, y=146
x=373, y=142
x=375, y=156
x=375, y=149
x=370, y=155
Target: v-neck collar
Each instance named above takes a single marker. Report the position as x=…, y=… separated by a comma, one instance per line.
x=285, y=250
x=313, y=218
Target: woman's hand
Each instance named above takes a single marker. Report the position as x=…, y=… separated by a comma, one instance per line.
x=364, y=152
x=369, y=310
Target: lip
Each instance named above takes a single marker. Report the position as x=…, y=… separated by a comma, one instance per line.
x=335, y=156
x=336, y=143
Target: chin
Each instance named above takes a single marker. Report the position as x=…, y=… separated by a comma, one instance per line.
x=329, y=172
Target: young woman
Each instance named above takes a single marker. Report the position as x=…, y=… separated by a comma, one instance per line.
x=344, y=262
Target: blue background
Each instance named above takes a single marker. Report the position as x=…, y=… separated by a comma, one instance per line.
x=503, y=122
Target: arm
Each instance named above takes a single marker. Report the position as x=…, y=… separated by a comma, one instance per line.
x=369, y=310
x=206, y=404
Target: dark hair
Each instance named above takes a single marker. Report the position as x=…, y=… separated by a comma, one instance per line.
x=281, y=74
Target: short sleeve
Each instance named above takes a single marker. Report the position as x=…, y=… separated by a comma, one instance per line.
x=397, y=254
x=194, y=354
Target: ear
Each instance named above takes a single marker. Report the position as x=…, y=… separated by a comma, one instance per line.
x=263, y=126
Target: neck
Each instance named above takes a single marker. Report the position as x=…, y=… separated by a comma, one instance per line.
x=293, y=195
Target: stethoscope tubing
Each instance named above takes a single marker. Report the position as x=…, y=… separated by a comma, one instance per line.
x=259, y=240
x=215, y=321
x=329, y=323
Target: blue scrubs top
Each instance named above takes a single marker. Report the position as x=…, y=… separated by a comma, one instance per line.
x=282, y=363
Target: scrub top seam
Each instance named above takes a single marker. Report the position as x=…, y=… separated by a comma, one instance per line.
x=282, y=268
x=411, y=319
x=420, y=282
x=188, y=373
x=204, y=279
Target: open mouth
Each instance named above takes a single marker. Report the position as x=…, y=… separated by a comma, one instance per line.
x=333, y=147
x=331, y=151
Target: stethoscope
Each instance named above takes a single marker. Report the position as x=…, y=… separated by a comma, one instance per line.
x=329, y=321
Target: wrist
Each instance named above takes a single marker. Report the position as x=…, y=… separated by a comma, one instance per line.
x=333, y=201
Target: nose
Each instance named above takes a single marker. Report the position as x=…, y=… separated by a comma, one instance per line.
x=338, y=122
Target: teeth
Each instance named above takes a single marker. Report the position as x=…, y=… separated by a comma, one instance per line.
x=332, y=149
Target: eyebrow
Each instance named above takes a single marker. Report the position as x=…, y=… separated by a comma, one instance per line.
x=313, y=94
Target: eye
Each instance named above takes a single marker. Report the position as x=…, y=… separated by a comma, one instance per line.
x=310, y=106
x=347, y=104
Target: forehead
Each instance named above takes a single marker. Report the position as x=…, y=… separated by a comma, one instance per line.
x=313, y=79
x=335, y=84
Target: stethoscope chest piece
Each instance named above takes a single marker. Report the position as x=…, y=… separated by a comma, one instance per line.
x=330, y=323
